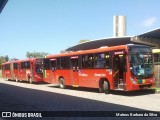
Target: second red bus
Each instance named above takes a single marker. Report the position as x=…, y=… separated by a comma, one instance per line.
x=23, y=70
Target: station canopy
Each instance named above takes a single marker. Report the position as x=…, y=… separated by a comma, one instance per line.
x=151, y=38
x=2, y=4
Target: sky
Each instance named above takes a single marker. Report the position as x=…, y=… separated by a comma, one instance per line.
x=54, y=25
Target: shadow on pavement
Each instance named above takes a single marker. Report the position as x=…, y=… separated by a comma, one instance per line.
x=134, y=93
x=124, y=93
x=15, y=98
x=94, y=90
x=37, y=83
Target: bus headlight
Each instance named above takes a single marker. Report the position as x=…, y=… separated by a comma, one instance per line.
x=133, y=81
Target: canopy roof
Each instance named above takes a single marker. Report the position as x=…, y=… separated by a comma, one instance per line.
x=155, y=34
x=151, y=38
x=2, y=4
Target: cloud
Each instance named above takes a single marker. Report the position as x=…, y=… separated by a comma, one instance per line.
x=149, y=22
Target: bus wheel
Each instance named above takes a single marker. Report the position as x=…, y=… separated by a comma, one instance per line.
x=30, y=80
x=106, y=87
x=61, y=83
x=101, y=86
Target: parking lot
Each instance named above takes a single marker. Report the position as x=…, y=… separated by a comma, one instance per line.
x=47, y=97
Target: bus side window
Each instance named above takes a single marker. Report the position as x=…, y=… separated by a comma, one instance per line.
x=46, y=64
x=6, y=67
x=58, y=66
x=26, y=65
x=53, y=65
x=107, y=57
x=102, y=60
x=22, y=65
x=87, y=61
x=15, y=66
x=65, y=63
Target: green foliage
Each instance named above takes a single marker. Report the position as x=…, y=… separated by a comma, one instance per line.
x=83, y=41
x=4, y=59
x=0, y=73
x=36, y=54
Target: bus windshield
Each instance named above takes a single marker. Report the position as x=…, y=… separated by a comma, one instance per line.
x=141, y=62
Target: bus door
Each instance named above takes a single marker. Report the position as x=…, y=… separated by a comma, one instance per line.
x=74, y=71
x=53, y=70
x=119, y=70
x=47, y=71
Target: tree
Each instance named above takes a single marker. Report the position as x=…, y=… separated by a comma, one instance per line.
x=4, y=59
x=83, y=41
x=36, y=54
x=1, y=60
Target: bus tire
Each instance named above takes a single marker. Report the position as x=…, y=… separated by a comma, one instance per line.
x=106, y=87
x=101, y=86
x=61, y=83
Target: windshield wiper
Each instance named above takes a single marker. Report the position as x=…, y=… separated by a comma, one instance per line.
x=139, y=59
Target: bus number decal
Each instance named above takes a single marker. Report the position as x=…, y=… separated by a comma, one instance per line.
x=82, y=74
x=119, y=53
x=99, y=75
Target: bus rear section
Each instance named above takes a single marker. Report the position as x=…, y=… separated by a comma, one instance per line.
x=110, y=68
x=6, y=70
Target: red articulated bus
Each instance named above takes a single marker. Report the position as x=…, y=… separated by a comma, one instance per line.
x=23, y=70
x=125, y=67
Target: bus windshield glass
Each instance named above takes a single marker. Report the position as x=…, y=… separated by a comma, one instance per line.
x=141, y=62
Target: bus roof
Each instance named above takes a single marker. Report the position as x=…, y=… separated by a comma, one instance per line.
x=101, y=49
x=17, y=61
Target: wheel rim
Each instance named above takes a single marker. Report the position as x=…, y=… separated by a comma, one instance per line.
x=105, y=85
x=61, y=84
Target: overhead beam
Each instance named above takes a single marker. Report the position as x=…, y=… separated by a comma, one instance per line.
x=146, y=41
